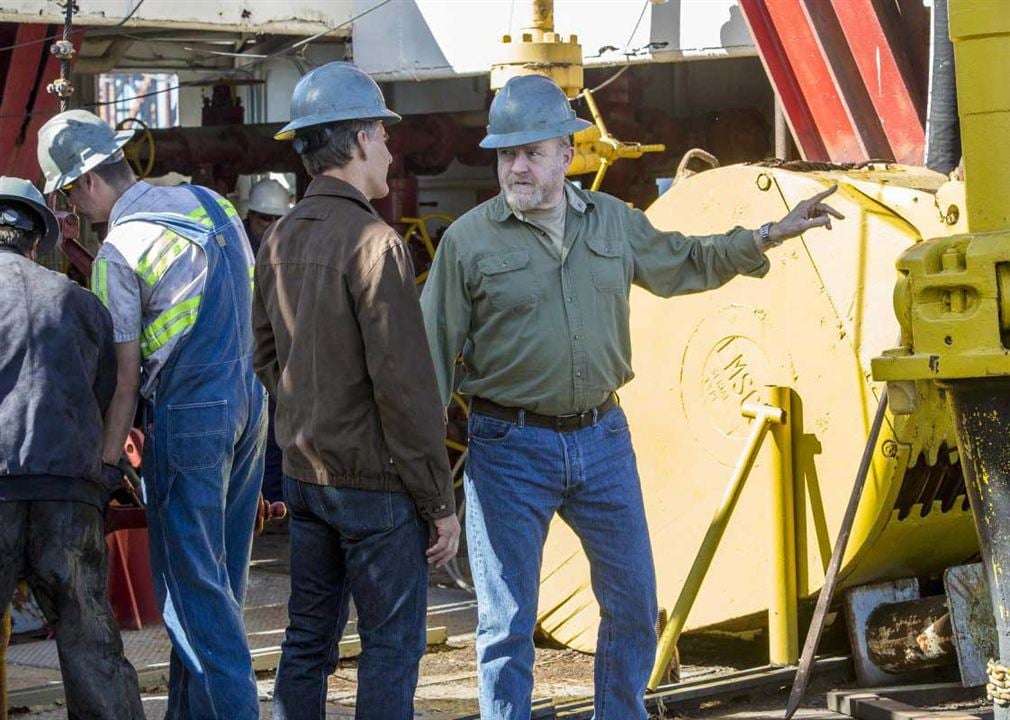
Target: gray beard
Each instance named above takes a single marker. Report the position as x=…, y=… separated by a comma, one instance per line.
x=526, y=199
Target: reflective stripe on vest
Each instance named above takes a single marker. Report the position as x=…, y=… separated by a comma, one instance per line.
x=100, y=280
x=200, y=214
x=158, y=258
x=171, y=323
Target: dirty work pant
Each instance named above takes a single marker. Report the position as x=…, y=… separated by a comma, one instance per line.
x=517, y=477
x=202, y=490
x=60, y=548
x=369, y=546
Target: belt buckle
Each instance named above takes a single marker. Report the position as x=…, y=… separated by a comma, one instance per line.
x=561, y=421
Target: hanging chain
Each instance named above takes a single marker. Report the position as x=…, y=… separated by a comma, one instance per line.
x=63, y=50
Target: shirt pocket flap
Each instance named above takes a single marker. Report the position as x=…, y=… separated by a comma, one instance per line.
x=604, y=247
x=504, y=263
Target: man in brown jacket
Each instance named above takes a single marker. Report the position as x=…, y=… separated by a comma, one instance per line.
x=340, y=344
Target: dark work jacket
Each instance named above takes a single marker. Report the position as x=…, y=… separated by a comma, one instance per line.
x=57, y=377
x=340, y=345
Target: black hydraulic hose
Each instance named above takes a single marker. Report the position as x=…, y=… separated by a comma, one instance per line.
x=943, y=128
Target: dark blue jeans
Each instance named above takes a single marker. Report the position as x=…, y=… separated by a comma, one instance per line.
x=368, y=546
x=517, y=478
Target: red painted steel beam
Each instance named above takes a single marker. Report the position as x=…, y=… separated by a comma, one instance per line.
x=795, y=59
x=780, y=73
x=886, y=75
x=25, y=104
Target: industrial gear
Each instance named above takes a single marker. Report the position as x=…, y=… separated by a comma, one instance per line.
x=331, y=93
x=23, y=192
x=73, y=143
x=530, y=108
x=269, y=197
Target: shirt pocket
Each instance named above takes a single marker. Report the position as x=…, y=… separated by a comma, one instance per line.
x=606, y=261
x=508, y=281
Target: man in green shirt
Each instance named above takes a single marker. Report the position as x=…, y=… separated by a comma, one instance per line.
x=532, y=287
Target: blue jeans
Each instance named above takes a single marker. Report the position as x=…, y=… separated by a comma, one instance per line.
x=202, y=489
x=517, y=477
x=369, y=546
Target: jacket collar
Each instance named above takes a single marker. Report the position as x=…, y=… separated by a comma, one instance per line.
x=579, y=200
x=11, y=250
x=335, y=187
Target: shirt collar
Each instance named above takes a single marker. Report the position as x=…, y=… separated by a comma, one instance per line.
x=127, y=199
x=335, y=187
x=579, y=200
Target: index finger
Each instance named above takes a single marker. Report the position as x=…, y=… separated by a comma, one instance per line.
x=823, y=194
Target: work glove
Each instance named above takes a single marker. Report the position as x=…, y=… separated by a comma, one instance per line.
x=117, y=487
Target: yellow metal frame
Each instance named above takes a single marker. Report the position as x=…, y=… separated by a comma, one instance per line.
x=783, y=631
x=596, y=149
x=418, y=227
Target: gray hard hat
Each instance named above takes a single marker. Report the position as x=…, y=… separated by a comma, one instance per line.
x=334, y=92
x=73, y=143
x=528, y=109
x=21, y=192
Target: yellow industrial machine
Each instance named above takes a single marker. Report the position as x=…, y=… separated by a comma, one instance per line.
x=952, y=300
x=813, y=325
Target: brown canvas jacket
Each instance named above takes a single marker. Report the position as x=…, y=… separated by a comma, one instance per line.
x=340, y=345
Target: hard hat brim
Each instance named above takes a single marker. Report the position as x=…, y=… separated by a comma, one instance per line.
x=527, y=137
x=287, y=132
x=51, y=236
x=89, y=163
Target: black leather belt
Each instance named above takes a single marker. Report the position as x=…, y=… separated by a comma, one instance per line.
x=561, y=423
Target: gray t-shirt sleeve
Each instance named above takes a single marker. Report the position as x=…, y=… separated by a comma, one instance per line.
x=118, y=287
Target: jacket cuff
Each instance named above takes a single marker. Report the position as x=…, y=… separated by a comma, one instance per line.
x=437, y=508
x=748, y=259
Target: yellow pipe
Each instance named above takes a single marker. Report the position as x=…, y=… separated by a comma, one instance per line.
x=763, y=415
x=783, y=627
x=541, y=16
x=980, y=31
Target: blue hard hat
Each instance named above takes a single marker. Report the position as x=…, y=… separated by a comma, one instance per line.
x=334, y=92
x=21, y=192
x=528, y=109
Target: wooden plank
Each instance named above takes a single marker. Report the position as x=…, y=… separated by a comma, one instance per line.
x=156, y=676
x=869, y=705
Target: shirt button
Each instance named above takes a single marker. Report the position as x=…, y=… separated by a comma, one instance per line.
x=578, y=373
x=578, y=337
x=569, y=298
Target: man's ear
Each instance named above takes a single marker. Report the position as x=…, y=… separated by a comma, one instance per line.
x=361, y=138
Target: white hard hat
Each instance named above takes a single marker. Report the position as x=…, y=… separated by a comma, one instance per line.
x=268, y=197
x=75, y=142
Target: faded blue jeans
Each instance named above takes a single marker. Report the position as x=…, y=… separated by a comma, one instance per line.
x=369, y=546
x=517, y=477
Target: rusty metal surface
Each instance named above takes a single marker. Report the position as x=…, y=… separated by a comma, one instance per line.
x=911, y=635
x=972, y=621
x=860, y=603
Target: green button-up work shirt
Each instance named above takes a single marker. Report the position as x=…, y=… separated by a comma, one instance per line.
x=549, y=332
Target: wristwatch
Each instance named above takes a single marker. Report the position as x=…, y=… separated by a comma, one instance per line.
x=765, y=232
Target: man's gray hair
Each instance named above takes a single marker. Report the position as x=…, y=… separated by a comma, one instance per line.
x=332, y=146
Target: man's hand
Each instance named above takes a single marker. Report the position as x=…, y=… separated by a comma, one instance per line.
x=444, y=540
x=808, y=214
